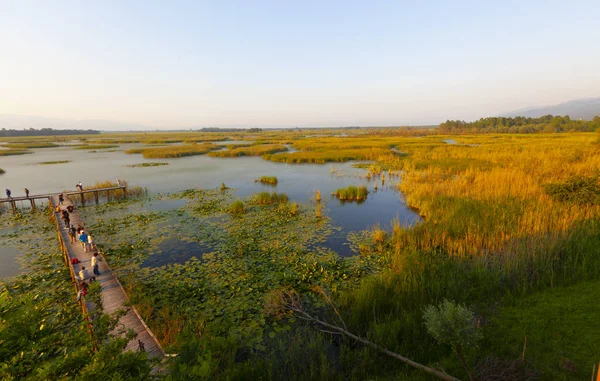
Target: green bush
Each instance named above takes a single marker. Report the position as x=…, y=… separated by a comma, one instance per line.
x=577, y=190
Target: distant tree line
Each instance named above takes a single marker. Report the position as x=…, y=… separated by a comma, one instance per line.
x=520, y=125
x=218, y=129
x=45, y=132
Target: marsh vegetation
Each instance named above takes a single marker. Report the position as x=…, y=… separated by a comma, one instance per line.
x=509, y=232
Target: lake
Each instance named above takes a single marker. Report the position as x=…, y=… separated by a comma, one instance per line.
x=298, y=181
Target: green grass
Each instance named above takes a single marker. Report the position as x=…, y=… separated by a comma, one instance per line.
x=352, y=193
x=54, y=162
x=268, y=180
x=560, y=324
x=144, y=165
x=174, y=151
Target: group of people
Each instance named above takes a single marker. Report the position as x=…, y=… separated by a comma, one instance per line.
x=9, y=193
x=80, y=235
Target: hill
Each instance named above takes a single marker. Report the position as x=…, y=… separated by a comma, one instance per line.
x=585, y=109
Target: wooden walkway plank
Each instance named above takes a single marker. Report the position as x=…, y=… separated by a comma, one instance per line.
x=113, y=294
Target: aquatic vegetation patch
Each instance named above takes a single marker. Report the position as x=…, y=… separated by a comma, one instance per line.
x=174, y=151
x=268, y=198
x=268, y=180
x=10, y=152
x=252, y=150
x=54, y=162
x=352, y=193
x=144, y=165
x=31, y=145
x=95, y=146
x=2, y=171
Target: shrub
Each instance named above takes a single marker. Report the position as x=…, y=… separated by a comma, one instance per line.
x=577, y=190
x=452, y=324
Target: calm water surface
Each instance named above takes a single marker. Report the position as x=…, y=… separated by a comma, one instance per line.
x=299, y=182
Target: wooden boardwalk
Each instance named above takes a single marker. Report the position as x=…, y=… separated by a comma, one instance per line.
x=113, y=294
x=82, y=193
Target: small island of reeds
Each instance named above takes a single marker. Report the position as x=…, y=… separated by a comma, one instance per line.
x=174, y=151
x=352, y=193
x=95, y=146
x=31, y=145
x=272, y=180
x=2, y=171
x=144, y=165
x=54, y=162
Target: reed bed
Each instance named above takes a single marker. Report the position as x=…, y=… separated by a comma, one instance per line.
x=31, y=145
x=352, y=193
x=253, y=150
x=2, y=171
x=268, y=198
x=10, y=152
x=134, y=191
x=95, y=146
x=174, y=151
x=272, y=180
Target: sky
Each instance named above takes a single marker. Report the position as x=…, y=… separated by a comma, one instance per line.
x=284, y=63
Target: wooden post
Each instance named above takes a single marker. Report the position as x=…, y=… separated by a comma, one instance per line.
x=32, y=203
x=124, y=192
x=108, y=195
x=82, y=199
x=14, y=206
x=96, y=195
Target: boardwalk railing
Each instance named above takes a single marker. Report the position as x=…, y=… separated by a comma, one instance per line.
x=32, y=198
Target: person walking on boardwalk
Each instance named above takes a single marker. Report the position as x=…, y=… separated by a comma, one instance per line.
x=66, y=218
x=90, y=242
x=7, y=193
x=83, y=239
x=72, y=233
x=95, y=260
x=61, y=198
x=83, y=273
x=80, y=186
x=26, y=192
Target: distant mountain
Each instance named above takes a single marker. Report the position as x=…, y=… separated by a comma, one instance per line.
x=577, y=109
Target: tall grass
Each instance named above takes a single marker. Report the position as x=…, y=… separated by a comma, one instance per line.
x=31, y=145
x=134, y=191
x=10, y=152
x=267, y=198
x=174, y=151
x=253, y=150
x=237, y=207
x=352, y=193
x=268, y=180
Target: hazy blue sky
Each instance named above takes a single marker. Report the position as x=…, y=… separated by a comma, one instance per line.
x=173, y=64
